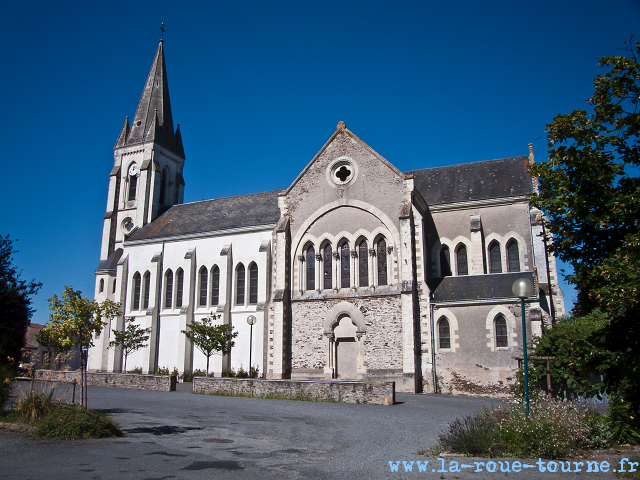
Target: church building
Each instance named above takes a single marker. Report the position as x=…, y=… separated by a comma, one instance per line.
x=354, y=271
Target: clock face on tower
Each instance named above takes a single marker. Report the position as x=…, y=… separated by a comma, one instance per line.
x=133, y=169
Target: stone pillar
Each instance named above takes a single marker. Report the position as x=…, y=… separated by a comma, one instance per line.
x=477, y=247
x=115, y=356
x=318, y=273
x=354, y=280
x=405, y=272
x=278, y=361
x=336, y=271
x=302, y=279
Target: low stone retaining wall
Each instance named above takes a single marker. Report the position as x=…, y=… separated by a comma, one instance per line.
x=160, y=383
x=347, y=392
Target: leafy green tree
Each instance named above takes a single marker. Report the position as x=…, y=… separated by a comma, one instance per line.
x=15, y=304
x=75, y=320
x=589, y=190
x=210, y=338
x=130, y=340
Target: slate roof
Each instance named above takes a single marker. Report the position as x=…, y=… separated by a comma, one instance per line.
x=475, y=287
x=506, y=177
x=213, y=215
x=111, y=263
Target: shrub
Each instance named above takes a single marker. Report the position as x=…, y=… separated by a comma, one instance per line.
x=622, y=421
x=472, y=435
x=35, y=406
x=6, y=380
x=162, y=371
x=137, y=370
x=74, y=423
x=600, y=432
x=188, y=375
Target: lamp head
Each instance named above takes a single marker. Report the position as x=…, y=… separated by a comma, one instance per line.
x=251, y=320
x=522, y=288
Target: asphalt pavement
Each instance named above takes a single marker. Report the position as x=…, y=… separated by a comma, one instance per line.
x=185, y=436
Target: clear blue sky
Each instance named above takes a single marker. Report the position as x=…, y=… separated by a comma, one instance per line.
x=258, y=88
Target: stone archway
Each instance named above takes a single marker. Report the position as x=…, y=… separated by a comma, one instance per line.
x=344, y=328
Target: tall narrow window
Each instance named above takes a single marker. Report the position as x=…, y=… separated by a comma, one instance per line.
x=114, y=286
x=204, y=276
x=461, y=260
x=311, y=268
x=444, y=333
x=133, y=184
x=494, y=257
x=240, y=284
x=514, y=258
x=168, y=289
x=445, y=262
x=147, y=286
x=363, y=264
x=253, y=284
x=179, y=286
x=327, y=258
x=502, y=339
x=382, y=262
x=136, y=291
x=345, y=267
x=101, y=285
x=215, y=285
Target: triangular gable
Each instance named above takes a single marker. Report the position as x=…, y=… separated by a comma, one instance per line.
x=343, y=129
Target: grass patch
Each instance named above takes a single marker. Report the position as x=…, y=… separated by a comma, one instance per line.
x=75, y=423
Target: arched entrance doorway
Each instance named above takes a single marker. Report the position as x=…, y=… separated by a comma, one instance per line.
x=344, y=328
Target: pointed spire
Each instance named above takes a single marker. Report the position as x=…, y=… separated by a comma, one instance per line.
x=124, y=133
x=154, y=108
x=179, y=146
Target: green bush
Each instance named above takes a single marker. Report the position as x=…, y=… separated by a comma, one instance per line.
x=188, y=375
x=553, y=429
x=74, y=423
x=136, y=370
x=473, y=435
x=162, y=371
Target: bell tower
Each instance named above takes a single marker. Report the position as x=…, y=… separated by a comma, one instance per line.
x=148, y=158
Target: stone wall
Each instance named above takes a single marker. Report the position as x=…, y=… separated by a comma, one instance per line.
x=160, y=383
x=382, y=340
x=346, y=392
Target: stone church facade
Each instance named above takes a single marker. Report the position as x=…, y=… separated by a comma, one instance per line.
x=355, y=271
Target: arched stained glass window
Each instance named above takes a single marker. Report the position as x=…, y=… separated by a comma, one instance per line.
x=179, y=287
x=382, y=262
x=240, y=284
x=494, y=257
x=461, y=260
x=345, y=266
x=445, y=262
x=215, y=285
x=514, y=258
x=147, y=287
x=444, y=334
x=168, y=289
x=136, y=291
x=363, y=264
x=502, y=338
x=311, y=268
x=327, y=258
x=253, y=284
x=204, y=277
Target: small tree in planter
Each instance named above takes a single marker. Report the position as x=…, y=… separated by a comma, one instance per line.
x=130, y=340
x=210, y=338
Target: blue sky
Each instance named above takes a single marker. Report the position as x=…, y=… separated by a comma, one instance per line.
x=258, y=88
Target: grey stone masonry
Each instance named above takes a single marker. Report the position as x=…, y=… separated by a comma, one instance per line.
x=383, y=393
x=159, y=383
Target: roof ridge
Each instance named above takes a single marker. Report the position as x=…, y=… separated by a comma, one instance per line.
x=465, y=163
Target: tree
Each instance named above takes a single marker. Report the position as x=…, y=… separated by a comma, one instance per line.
x=209, y=338
x=75, y=320
x=130, y=340
x=589, y=190
x=15, y=304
